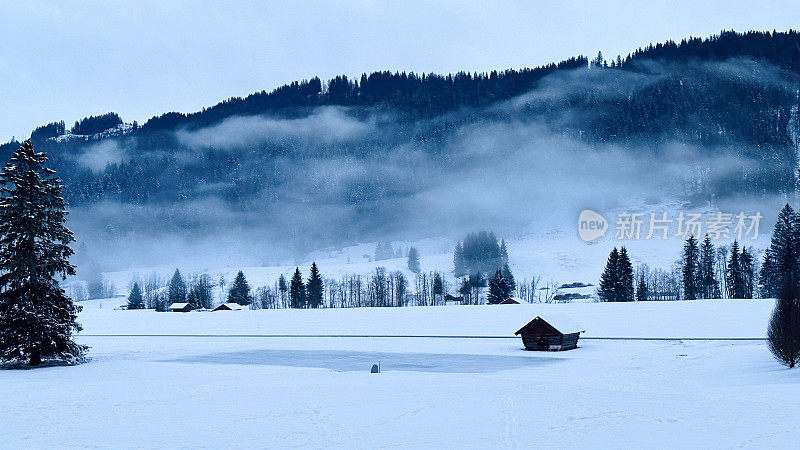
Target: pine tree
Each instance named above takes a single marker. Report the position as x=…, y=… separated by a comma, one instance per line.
x=438, y=286
x=297, y=290
x=642, y=292
x=747, y=274
x=135, y=300
x=314, y=287
x=240, y=290
x=200, y=292
x=607, y=292
x=282, y=288
x=37, y=319
x=768, y=276
x=177, y=288
x=413, y=260
x=458, y=261
x=690, y=269
x=781, y=261
x=625, y=292
x=734, y=277
x=509, y=276
x=503, y=252
x=499, y=289
x=709, y=285
x=783, y=333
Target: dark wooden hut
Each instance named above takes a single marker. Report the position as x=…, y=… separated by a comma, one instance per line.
x=228, y=307
x=555, y=333
x=181, y=307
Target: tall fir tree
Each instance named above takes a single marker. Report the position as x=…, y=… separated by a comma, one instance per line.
x=458, y=261
x=240, y=290
x=733, y=274
x=201, y=292
x=625, y=292
x=748, y=273
x=314, y=287
x=176, y=290
x=282, y=288
x=499, y=289
x=509, y=276
x=413, y=260
x=503, y=252
x=690, y=269
x=37, y=319
x=607, y=291
x=297, y=290
x=438, y=287
x=135, y=299
x=709, y=285
x=642, y=291
x=781, y=259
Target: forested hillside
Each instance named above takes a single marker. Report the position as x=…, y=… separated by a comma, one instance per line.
x=368, y=153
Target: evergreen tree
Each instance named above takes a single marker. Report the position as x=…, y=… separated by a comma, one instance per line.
x=200, y=292
x=625, y=292
x=767, y=277
x=608, y=280
x=438, y=286
x=37, y=319
x=297, y=290
x=413, y=260
x=690, y=269
x=642, y=292
x=314, y=288
x=509, y=276
x=748, y=275
x=781, y=260
x=458, y=261
x=282, y=287
x=240, y=290
x=783, y=333
x=503, y=252
x=177, y=288
x=709, y=285
x=616, y=283
x=607, y=292
x=135, y=300
x=734, y=276
x=499, y=289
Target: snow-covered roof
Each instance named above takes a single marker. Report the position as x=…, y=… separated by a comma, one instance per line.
x=231, y=306
x=178, y=305
x=563, y=323
x=560, y=322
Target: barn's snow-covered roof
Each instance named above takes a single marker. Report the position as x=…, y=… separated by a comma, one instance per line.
x=564, y=324
x=231, y=306
x=178, y=305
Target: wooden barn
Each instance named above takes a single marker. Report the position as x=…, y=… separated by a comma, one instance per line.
x=181, y=307
x=509, y=301
x=555, y=333
x=228, y=307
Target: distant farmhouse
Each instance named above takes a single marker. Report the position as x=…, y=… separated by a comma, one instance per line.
x=557, y=332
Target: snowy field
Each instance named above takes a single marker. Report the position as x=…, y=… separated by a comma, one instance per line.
x=268, y=392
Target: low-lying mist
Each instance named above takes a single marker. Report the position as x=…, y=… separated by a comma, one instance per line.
x=339, y=176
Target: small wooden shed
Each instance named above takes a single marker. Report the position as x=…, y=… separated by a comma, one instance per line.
x=181, y=307
x=509, y=301
x=228, y=307
x=555, y=333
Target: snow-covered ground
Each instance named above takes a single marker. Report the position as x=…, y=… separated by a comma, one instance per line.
x=257, y=392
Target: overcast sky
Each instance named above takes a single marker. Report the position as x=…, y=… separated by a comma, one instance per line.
x=69, y=59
